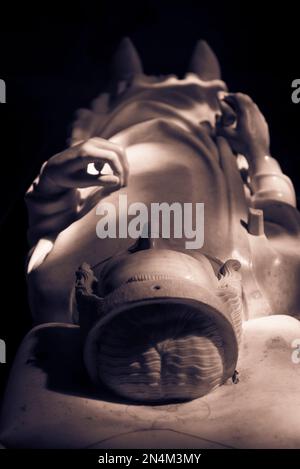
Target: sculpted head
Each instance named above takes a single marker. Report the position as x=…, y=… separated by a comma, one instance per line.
x=159, y=324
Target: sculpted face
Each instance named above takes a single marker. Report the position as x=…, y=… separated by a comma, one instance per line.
x=160, y=325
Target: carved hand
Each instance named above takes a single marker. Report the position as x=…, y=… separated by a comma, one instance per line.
x=69, y=169
x=250, y=134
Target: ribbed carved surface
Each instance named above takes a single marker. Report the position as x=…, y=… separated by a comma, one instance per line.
x=161, y=353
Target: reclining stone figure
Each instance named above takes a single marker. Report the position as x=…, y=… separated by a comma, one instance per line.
x=159, y=322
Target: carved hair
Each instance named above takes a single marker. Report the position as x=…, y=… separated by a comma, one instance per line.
x=161, y=352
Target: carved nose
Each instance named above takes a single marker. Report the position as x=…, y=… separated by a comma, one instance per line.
x=151, y=238
x=142, y=244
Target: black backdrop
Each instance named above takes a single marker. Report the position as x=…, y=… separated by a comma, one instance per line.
x=56, y=60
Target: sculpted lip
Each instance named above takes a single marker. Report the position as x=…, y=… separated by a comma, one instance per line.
x=142, y=277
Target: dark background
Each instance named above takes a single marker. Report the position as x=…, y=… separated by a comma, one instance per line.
x=55, y=61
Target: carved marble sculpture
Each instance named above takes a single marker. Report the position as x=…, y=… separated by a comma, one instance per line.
x=160, y=322
x=168, y=129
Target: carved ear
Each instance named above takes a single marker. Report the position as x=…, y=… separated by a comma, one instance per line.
x=88, y=304
x=126, y=62
x=204, y=62
x=231, y=294
x=85, y=279
x=230, y=268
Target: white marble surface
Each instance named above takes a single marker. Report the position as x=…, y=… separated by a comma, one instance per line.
x=49, y=402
